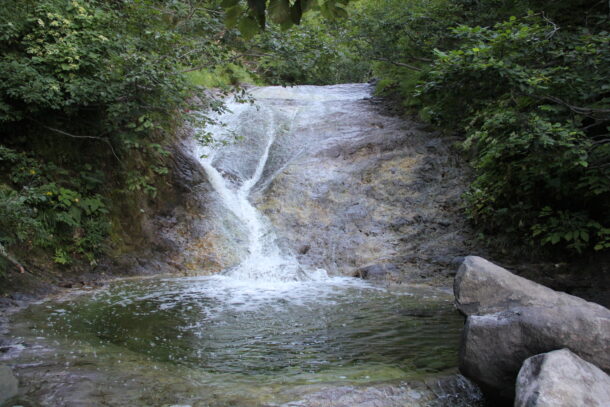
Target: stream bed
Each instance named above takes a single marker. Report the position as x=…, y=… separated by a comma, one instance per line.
x=219, y=341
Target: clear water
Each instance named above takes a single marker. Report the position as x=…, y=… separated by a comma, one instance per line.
x=291, y=332
x=227, y=337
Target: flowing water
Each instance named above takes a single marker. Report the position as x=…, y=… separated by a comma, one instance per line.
x=264, y=260
x=266, y=331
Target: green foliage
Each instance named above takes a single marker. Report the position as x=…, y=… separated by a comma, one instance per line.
x=88, y=84
x=533, y=102
x=83, y=69
x=399, y=38
x=225, y=77
x=316, y=52
x=38, y=211
x=250, y=16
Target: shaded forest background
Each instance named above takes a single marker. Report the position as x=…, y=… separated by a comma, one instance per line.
x=92, y=94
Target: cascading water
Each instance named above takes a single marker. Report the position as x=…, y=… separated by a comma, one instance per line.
x=264, y=260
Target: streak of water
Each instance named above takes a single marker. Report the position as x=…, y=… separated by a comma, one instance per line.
x=264, y=260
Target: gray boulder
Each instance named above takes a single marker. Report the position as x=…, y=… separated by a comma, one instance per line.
x=511, y=319
x=494, y=346
x=481, y=287
x=8, y=384
x=561, y=379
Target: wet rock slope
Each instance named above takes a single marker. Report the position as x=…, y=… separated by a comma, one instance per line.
x=347, y=188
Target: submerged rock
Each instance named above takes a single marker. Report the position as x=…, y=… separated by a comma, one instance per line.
x=455, y=391
x=561, y=379
x=8, y=384
x=349, y=396
x=378, y=272
x=511, y=319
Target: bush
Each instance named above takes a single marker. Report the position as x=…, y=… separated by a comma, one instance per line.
x=316, y=52
x=527, y=90
x=90, y=94
x=67, y=219
x=534, y=104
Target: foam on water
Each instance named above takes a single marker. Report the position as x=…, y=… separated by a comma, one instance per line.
x=285, y=332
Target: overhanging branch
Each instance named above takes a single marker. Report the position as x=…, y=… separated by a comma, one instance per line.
x=4, y=253
x=65, y=133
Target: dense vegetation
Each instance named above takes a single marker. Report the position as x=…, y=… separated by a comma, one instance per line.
x=527, y=86
x=92, y=92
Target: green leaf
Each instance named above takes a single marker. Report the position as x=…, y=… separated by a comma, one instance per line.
x=232, y=16
x=248, y=27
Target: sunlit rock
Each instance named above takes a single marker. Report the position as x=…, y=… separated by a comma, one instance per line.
x=481, y=287
x=561, y=379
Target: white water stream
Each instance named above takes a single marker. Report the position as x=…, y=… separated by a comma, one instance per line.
x=265, y=261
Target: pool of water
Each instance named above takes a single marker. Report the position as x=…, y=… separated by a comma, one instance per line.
x=221, y=340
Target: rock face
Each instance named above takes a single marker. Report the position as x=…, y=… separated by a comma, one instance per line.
x=364, y=190
x=346, y=188
x=511, y=319
x=8, y=384
x=561, y=379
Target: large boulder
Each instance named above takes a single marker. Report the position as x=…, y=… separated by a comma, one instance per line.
x=494, y=346
x=561, y=379
x=510, y=319
x=8, y=384
x=481, y=287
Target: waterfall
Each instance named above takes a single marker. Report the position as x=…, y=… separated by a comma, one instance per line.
x=256, y=141
x=264, y=259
